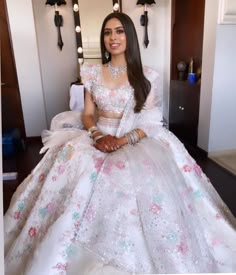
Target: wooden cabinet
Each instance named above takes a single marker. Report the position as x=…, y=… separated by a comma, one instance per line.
x=184, y=110
x=186, y=44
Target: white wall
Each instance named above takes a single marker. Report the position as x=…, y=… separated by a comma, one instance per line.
x=223, y=111
x=217, y=126
x=208, y=63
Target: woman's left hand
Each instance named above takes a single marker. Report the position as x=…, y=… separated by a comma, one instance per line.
x=107, y=144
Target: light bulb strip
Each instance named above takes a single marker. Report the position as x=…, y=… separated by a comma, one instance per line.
x=78, y=32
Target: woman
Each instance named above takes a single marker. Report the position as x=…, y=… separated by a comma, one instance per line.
x=123, y=195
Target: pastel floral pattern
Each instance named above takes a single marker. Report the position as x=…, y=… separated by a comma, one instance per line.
x=17, y=215
x=198, y=170
x=76, y=216
x=155, y=208
x=49, y=209
x=32, y=232
x=98, y=163
x=183, y=248
x=120, y=164
x=197, y=194
x=61, y=266
x=93, y=177
x=66, y=153
x=172, y=237
x=158, y=198
x=42, y=178
x=90, y=213
x=61, y=169
x=126, y=245
x=187, y=168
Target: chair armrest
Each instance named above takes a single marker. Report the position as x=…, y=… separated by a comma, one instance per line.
x=68, y=119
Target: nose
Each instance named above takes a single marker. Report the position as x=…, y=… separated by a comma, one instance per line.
x=113, y=35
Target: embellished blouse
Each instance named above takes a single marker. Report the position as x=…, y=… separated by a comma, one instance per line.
x=107, y=100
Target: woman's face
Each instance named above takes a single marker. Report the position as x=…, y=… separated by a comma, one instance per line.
x=114, y=37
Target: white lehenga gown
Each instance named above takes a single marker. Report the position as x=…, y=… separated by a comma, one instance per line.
x=146, y=208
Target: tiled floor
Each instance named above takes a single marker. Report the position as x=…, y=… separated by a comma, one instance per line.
x=228, y=161
x=223, y=181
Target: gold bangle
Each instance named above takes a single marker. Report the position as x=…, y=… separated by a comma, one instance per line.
x=91, y=130
x=138, y=132
x=97, y=138
x=95, y=132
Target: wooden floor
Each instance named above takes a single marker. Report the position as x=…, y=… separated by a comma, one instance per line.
x=223, y=181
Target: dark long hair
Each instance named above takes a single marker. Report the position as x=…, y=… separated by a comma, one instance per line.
x=136, y=77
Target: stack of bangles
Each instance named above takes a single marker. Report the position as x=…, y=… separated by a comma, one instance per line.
x=94, y=130
x=133, y=137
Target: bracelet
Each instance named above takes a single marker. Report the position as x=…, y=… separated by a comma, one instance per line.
x=139, y=134
x=91, y=130
x=95, y=132
x=133, y=137
x=97, y=138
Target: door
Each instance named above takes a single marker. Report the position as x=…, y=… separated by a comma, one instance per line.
x=12, y=115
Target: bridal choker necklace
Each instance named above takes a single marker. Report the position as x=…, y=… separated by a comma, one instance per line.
x=116, y=71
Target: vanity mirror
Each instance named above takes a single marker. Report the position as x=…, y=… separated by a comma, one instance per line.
x=88, y=16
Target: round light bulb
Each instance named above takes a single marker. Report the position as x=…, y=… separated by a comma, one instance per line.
x=80, y=61
x=116, y=7
x=76, y=7
x=78, y=29
x=80, y=50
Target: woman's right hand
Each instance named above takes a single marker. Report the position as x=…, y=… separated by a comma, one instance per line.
x=107, y=144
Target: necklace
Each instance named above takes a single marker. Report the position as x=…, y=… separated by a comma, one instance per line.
x=116, y=71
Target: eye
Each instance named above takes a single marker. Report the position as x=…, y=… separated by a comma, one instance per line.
x=120, y=31
x=106, y=33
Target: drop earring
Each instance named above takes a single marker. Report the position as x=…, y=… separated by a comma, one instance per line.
x=107, y=55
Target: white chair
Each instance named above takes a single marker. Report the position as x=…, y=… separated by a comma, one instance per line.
x=72, y=118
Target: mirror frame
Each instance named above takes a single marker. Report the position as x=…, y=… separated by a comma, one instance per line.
x=78, y=35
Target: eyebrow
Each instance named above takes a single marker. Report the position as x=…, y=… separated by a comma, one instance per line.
x=120, y=27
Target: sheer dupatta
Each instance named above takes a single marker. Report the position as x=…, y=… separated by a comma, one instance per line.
x=150, y=118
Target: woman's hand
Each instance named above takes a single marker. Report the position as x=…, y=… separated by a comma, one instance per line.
x=107, y=144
